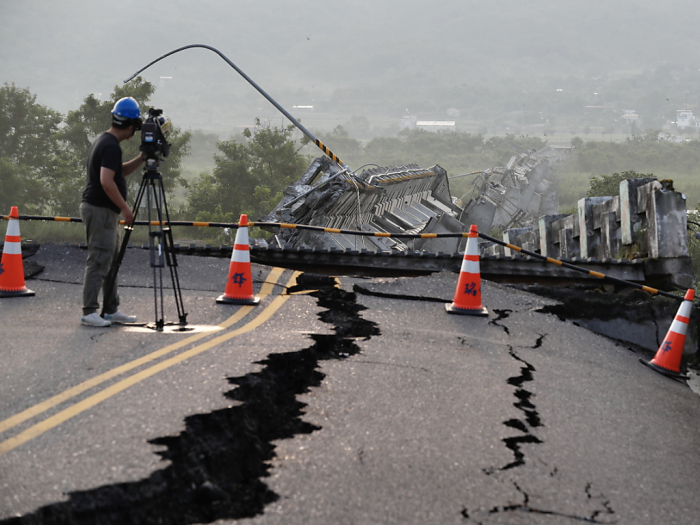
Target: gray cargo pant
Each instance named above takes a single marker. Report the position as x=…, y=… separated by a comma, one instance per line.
x=103, y=240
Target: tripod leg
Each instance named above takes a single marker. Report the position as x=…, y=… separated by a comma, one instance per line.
x=172, y=261
x=165, y=254
x=172, y=264
x=155, y=245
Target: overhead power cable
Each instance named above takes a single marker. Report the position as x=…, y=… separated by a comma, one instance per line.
x=294, y=121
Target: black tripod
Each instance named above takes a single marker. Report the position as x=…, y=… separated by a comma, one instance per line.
x=160, y=243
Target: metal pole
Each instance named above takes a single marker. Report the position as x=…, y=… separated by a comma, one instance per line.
x=261, y=91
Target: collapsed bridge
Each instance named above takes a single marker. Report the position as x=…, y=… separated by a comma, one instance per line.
x=402, y=199
x=409, y=199
x=638, y=235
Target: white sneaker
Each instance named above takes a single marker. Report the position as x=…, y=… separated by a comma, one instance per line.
x=119, y=317
x=94, y=319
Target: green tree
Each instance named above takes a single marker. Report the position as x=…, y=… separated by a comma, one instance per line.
x=29, y=151
x=249, y=176
x=18, y=188
x=609, y=185
x=86, y=123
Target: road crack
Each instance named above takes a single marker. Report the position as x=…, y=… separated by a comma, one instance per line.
x=523, y=403
x=529, y=421
x=363, y=290
x=500, y=316
x=218, y=463
x=594, y=517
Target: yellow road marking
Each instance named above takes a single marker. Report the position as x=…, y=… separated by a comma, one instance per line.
x=85, y=404
x=39, y=408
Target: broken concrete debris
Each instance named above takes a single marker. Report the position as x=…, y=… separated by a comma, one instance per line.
x=410, y=199
x=510, y=195
x=400, y=199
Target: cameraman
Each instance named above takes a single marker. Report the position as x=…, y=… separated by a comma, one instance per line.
x=103, y=199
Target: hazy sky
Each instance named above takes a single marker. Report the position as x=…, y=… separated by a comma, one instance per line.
x=64, y=50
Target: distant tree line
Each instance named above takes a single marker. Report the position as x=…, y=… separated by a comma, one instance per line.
x=638, y=153
x=43, y=155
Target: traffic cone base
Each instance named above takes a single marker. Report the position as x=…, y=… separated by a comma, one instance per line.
x=11, y=265
x=239, y=285
x=452, y=309
x=662, y=370
x=222, y=299
x=667, y=360
x=20, y=293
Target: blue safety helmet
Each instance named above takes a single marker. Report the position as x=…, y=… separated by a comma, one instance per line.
x=126, y=112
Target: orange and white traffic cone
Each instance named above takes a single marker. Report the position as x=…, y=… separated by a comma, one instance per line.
x=667, y=360
x=239, y=286
x=467, y=300
x=11, y=267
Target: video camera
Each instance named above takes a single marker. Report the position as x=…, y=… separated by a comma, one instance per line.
x=153, y=137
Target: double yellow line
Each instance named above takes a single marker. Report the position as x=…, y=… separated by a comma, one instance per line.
x=102, y=395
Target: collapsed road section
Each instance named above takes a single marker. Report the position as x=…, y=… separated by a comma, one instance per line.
x=409, y=199
x=511, y=195
x=400, y=199
x=647, y=222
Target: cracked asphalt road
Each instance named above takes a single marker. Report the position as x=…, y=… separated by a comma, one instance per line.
x=407, y=415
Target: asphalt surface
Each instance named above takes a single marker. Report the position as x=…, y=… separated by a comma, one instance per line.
x=406, y=415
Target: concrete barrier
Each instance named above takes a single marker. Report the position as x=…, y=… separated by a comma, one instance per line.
x=647, y=220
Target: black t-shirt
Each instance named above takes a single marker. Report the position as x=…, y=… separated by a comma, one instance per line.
x=105, y=152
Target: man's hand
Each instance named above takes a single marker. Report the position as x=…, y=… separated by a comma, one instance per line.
x=129, y=167
x=110, y=187
x=128, y=216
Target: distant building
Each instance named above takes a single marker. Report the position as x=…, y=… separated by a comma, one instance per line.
x=408, y=122
x=686, y=119
x=665, y=137
x=437, y=125
x=630, y=115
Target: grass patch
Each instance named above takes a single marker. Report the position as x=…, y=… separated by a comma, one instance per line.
x=52, y=231
x=74, y=233
x=573, y=186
